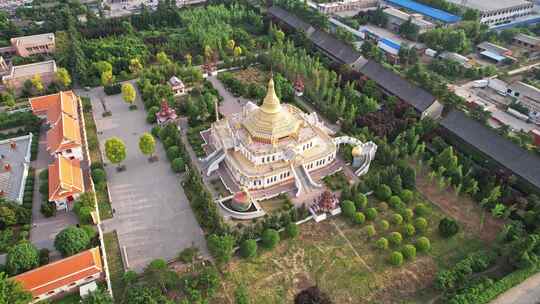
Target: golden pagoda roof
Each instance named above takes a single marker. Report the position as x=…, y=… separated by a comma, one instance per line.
x=271, y=122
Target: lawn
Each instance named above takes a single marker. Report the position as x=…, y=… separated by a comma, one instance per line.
x=338, y=256
x=105, y=210
x=114, y=259
x=275, y=204
x=336, y=181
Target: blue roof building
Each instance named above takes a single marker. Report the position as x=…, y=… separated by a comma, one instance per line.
x=423, y=9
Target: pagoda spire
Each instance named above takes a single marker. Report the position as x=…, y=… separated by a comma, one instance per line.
x=271, y=103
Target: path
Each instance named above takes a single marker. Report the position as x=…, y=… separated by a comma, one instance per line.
x=528, y=292
x=350, y=245
x=153, y=218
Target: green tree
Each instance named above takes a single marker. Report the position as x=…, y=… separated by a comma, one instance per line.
x=348, y=208
x=37, y=83
x=359, y=218
x=409, y=251
x=178, y=165
x=128, y=93
x=448, y=227
x=63, y=77
x=115, y=150
x=99, y=296
x=7, y=216
x=12, y=292
x=395, y=238
x=221, y=247
x=382, y=243
x=147, y=144
x=22, y=257
x=162, y=58
x=370, y=231
x=248, y=248
x=423, y=244
x=71, y=240
x=107, y=78
x=396, y=258
x=270, y=238
x=135, y=66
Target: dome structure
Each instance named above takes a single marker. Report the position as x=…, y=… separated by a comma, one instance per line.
x=271, y=122
x=356, y=151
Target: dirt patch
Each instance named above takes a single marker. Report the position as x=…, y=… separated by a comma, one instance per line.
x=251, y=75
x=462, y=208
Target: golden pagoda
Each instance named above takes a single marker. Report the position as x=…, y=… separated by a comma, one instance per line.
x=271, y=122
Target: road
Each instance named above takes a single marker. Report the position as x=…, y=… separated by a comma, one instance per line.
x=153, y=218
x=528, y=292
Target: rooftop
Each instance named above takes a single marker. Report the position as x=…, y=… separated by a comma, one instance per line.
x=46, y=278
x=32, y=69
x=65, y=134
x=419, y=98
x=65, y=178
x=34, y=39
x=527, y=39
x=526, y=91
x=491, y=5
x=521, y=162
x=55, y=104
x=404, y=16
x=15, y=154
x=494, y=48
x=423, y=9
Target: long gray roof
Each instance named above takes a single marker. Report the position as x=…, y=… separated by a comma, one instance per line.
x=419, y=98
x=521, y=162
x=336, y=48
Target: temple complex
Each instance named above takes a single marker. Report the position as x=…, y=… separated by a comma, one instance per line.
x=269, y=145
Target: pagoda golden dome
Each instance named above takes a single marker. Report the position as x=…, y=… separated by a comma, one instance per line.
x=271, y=122
x=356, y=151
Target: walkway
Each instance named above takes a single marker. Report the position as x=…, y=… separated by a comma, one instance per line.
x=153, y=218
x=528, y=292
x=44, y=229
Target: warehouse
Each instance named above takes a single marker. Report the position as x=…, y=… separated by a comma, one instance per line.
x=496, y=12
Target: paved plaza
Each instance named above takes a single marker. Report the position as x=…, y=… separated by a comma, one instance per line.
x=152, y=217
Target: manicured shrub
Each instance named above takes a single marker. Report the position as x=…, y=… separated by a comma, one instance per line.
x=47, y=209
x=291, y=230
x=421, y=224
x=397, y=219
x=371, y=214
x=421, y=209
x=370, y=231
x=396, y=258
x=98, y=175
x=173, y=152
x=178, y=165
x=406, y=196
x=383, y=192
x=22, y=257
x=423, y=244
x=395, y=238
x=348, y=208
x=409, y=230
x=409, y=251
x=44, y=175
x=359, y=218
x=407, y=214
x=270, y=238
x=384, y=224
x=248, y=248
x=360, y=200
x=155, y=131
x=395, y=202
x=382, y=243
x=448, y=227
x=71, y=240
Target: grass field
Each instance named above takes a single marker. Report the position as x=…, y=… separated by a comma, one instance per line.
x=114, y=259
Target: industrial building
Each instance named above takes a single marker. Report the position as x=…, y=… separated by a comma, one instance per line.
x=496, y=12
x=427, y=11
x=396, y=18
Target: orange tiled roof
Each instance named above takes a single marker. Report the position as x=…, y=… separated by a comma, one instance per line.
x=65, y=134
x=65, y=178
x=61, y=273
x=54, y=105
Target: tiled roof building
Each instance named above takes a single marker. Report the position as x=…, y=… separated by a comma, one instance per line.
x=65, y=181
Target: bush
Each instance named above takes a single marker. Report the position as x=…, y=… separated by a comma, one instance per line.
x=409, y=251
x=113, y=89
x=291, y=230
x=457, y=276
x=371, y=214
x=448, y=227
x=421, y=209
x=395, y=202
x=71, y=240
x=270, y=238
x=187, y=255
x=44, y=175
x=370, y=231
x=384, y=225
x=248, y=248
x=359, y=218
x=48, y=209
x=421, y=224
x=173, y=152
x=406, y=196
x=423, y=244
x=395, y=238
x=383, y=192
x=151, y=116
x=178, y=165
x=396, y=219
x=155, y=131
x=221, y=247
x=348, y=208
x=360, y=201
x=98, y=175
x=407, y=214
x=43, y=256
x=396, y=258
x=382, y=243
x=409, y=230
